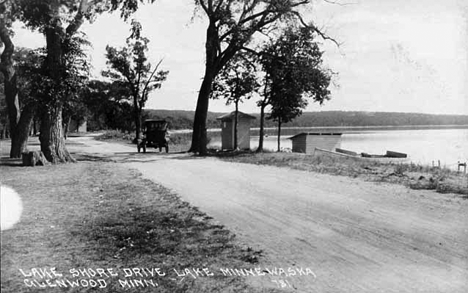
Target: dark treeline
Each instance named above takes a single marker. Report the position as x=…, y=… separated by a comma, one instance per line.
x=180, y=119
x=183, y=119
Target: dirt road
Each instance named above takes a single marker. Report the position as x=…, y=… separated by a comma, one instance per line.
x=355, y=236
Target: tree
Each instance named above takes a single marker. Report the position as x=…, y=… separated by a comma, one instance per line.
x=236, y=82
x=59, y=21
x=75, y=81
x=28, y=67
x=4, y=133
x=109, y=105
x=231, y=28
x=9, y=77
x=20, y=66
x=129, y=67
x=284, y=109
x=293, y=72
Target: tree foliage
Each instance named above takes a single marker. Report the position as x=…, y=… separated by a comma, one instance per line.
x=236, y=82
x=129, y=67
x=59, y=21
x=108, y=105
x=232, y=26
x=294, y=72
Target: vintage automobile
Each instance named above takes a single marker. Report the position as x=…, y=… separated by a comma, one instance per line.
x=154, y=135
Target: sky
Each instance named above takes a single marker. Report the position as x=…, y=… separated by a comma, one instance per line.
x=394, y=55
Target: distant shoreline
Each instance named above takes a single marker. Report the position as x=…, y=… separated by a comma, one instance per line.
x=286, y=130
x=370, y=128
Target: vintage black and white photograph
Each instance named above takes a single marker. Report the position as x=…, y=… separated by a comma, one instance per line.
x=314, y=146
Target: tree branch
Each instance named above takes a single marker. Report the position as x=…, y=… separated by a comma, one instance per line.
x=315, y=29
x=205, y=8
x=6, y=58
x=340, y=4
x=250, y=50
x=151, y=76
x=75, y=25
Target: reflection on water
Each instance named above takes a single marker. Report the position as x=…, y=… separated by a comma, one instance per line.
x=422, y=146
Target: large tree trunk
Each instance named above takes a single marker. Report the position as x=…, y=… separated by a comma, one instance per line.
x=19, y=143
x=51, y=128
x=199, y=137
x=10, y=84
x=214, y=63
x=262, y=130
x=51, y=137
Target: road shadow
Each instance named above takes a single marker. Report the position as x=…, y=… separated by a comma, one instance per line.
x=190, y=156
x=214, y=153
x=150, y=157
x=128, y=157
x=91, y=158
x=6, y=161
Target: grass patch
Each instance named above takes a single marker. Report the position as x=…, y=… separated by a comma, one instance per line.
x=412, y=175
x=101, y=215
x=116, y=135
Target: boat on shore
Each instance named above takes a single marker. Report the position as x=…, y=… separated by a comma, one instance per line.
x=388, y=157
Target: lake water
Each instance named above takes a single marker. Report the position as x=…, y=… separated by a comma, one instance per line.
x=422, y=146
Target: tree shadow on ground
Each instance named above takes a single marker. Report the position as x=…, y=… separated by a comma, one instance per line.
x=228, y=153
x=91, y=158
x=152, y=225
x=214, y=153
x=6, y=161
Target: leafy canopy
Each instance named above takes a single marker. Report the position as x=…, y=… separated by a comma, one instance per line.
x=233, y=23
x=237, y=81
x=294, y=72
x=129, y=66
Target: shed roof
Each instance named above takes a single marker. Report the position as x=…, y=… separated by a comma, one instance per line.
x=230, y=116
x=158, y=121
x=314, y=133
x=155, y=120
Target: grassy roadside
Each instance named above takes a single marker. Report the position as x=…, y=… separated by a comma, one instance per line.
x=178, y=141
x=100, y=215
x=411, y=175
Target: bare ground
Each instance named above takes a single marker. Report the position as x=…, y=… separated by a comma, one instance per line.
x=356, y=236
x=102, y=215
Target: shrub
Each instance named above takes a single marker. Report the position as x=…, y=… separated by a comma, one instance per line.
x=116, y=135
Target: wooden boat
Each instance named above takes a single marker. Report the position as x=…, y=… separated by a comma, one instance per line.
x=388, y=157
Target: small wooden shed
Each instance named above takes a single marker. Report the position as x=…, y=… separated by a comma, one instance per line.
x=243, y=130
x=307, y=142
